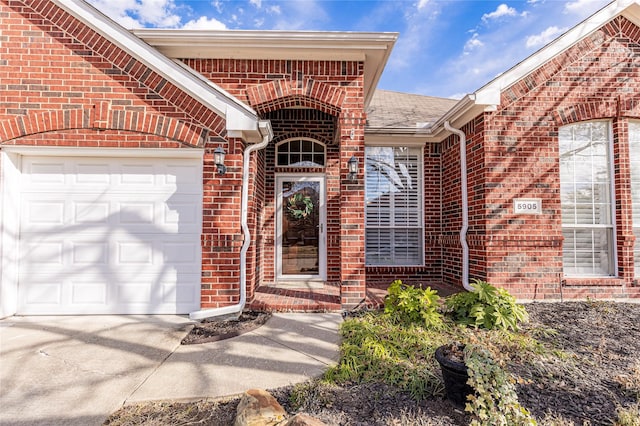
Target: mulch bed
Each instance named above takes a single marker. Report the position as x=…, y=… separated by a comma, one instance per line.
x=213, y=330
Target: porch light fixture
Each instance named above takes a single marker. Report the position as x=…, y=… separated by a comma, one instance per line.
x=218, y=159
x=352, y=164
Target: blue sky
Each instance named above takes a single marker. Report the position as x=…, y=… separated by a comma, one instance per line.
x=445, y=48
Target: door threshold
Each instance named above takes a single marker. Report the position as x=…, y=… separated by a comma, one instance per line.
x=305, y=284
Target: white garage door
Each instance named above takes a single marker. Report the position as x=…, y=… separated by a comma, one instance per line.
x=109, y=235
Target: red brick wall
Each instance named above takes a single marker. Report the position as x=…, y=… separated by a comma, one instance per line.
x=322, y=100
x=596, y=79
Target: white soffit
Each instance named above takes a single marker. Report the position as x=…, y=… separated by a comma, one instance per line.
x=213, y=97
x=371, y=48
x=490, y=93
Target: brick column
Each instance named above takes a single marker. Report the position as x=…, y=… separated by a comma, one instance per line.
x=352, y=202
x=625, y=239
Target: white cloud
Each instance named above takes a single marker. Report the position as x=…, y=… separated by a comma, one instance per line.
x=473, y=43
x=140, y=13
x=274, y=10
x=545, y=37
x=302, y=15
x=422, y=4
x=204, y=23
x=415, y=35
x=577, y=6
x=501, y=11
x=256, y=3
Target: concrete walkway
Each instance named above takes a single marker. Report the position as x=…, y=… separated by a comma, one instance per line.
x=78, y=370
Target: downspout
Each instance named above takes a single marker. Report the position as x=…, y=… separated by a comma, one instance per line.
x=236, y=310
x=465, y=205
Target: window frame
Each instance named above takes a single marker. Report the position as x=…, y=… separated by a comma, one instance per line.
x=301, y=152
x=635, y=224
x=420, y=228
x=612, y=226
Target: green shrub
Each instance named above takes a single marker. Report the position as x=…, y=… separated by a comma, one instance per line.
x=486, y=307
x=407, y=304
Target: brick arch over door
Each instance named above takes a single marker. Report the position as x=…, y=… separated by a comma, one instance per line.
x=307, y=93
x=102, y=118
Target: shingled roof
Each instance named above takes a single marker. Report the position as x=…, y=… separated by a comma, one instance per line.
x=394, y=110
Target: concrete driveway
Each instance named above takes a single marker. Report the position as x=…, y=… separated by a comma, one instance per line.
x=76, y=370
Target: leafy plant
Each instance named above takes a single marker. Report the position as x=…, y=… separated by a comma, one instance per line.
x=408, y=304
x=486, y=307
x=375, y=348
x=495, y=401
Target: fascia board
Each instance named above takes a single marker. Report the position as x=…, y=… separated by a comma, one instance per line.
x=209, y=95
x=466, y=109
x=66, y=151
x=371, y=48
x=243, y=44
x=489, y=94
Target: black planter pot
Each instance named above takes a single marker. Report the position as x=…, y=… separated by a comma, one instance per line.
x=455, y=377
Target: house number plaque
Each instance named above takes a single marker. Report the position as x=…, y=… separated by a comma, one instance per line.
x=527, y=206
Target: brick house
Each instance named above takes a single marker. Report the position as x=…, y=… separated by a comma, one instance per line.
x=114, y=198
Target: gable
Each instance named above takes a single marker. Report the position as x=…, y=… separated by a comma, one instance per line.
x=70, y=42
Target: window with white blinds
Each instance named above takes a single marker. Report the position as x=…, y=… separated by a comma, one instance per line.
x=394, y=217
x=587, y=208
x=634, y=162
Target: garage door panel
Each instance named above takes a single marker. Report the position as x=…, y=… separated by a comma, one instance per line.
x=45, y=291
x=89, y=293
x=93, y=294
x=110, y=235
x=107, y=253
x=134, y=213
x=46, y=172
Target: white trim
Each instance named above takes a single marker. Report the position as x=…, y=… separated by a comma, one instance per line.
x=371, y=48
x=322, y=240
x=63, y=151
x=210, y=95
x=612, y=195
x=10, y=165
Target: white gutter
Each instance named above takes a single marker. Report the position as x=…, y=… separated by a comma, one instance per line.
x=267, y=136
x=465, y=206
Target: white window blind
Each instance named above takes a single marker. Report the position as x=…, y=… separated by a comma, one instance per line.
x=585, y=189
x=394, y=217
x=634, y=161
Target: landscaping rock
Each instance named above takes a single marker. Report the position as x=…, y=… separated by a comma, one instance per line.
x=258, y=408
x=302, y=419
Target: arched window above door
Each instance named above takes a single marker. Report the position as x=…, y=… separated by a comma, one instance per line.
x=300, y=153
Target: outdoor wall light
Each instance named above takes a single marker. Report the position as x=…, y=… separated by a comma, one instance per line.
x=218, y=159
x=353, y=168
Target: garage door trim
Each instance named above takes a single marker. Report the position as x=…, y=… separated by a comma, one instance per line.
x=10, y=176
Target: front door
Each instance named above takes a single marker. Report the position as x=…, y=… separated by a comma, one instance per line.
x=300, y=221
